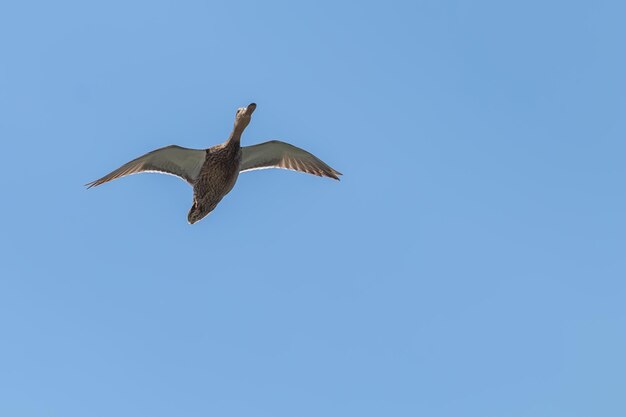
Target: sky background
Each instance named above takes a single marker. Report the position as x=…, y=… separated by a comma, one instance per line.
x=471, y=262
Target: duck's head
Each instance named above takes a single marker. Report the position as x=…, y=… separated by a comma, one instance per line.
x=243, y=115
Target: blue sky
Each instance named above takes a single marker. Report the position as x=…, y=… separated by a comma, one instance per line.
x=470, y=262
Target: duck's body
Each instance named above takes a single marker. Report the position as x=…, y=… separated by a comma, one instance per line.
x=217, y=177
x=213, y=172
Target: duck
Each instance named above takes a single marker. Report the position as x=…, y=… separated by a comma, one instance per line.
x=213, y=172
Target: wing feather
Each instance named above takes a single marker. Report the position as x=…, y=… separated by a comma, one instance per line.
x=173, y=160
x=276, y=154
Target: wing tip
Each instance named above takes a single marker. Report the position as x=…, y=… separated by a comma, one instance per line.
x=332, y=173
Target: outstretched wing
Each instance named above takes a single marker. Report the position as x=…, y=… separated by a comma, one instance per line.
x=174, y=160
x=276, y=154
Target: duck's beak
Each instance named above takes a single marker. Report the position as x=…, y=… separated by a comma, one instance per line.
x=250, y=109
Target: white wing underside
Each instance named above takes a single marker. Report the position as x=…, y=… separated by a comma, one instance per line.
x=173, y=160
x=276, y=154
x=154, y=171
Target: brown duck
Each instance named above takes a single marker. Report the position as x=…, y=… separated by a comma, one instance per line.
x=213, y=172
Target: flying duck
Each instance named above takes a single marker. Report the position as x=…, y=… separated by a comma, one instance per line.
x=213, y=172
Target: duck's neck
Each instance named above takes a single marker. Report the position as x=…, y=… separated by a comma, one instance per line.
x=235, y=136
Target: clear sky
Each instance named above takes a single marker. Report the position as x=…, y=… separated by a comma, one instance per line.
x=471, y=262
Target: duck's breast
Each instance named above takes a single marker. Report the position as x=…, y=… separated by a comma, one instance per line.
x=218, y=174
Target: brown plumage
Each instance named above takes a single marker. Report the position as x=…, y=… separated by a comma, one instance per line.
x=213, y=172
